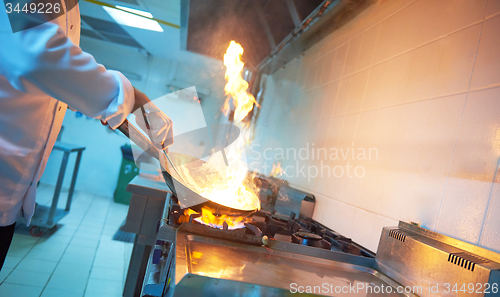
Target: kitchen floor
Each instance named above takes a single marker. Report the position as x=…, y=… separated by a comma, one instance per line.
x=77, y=258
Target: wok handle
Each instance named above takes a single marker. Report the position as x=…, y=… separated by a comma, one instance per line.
x=139, y=139
x=147, y=146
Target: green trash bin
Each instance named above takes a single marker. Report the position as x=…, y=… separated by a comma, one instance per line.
x=128, y=170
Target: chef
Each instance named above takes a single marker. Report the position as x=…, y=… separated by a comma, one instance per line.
x=43, y=71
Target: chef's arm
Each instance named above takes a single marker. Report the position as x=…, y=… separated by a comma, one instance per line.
x=42, y=60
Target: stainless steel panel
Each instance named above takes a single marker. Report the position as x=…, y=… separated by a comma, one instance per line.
x=415, y=259
x=144, y=214
x=152, y=216
x=205, y=265
x=135, y=214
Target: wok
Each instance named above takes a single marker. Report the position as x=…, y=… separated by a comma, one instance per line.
x=174, y=181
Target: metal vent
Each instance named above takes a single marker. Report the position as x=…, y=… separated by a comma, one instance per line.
x=121, y=40
x=108, y=31
x=465, y=260
x=104, y=26
x=90, y=33
x=397, y=235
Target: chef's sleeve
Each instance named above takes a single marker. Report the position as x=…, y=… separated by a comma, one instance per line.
x=42, y=60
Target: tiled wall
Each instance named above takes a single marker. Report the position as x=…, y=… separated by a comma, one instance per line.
x=419, y=81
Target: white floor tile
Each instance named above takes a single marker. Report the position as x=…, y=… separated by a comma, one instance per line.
x=16, y=290
x=92, y=243
x=92, y=224
x=49, y=255
x=56, y=240
x=107, y=274
x=105, y=262
x=81, y=271
x=59, y=293
x=29, y=278
x=67, y=230
x=91, y=229
x=109, y=231
x=36, y=265
x=71, y=220
x=111, y=245
x=4, y=273
x=77, y=259
x=104, y=287
x=49, y=246
x=82, y=250
x=106, y=239
x=19, y=251
x=62, y=260
x=75, y=214
x=11, y=262
x=67, y=282
x=94, y=294
x=105, y=253
x=23, y=240
x=85, y=235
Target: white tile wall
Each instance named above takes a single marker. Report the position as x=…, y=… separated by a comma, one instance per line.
x=474, y=165
x=339, y=62
x=353, y=53
x=386, y=39
x=490, y=233
x=368, y=46
x=423, y=71
x=397, y=74
x=419, y=81
x=487, y=62
x=457, y=60
x=492, y=8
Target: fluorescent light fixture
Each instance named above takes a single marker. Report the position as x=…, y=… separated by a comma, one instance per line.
x=132, y=20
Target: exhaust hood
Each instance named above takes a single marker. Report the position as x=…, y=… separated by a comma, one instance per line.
x=271, y=32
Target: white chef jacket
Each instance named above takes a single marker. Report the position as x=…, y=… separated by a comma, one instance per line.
x=42, y=71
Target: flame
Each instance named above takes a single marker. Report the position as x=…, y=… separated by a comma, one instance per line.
x=223, y=178
x=277, y=171
x=217, y=221
x=236, y=87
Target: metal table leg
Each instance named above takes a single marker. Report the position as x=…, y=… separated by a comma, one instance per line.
x=57, y=191
x=73, y=180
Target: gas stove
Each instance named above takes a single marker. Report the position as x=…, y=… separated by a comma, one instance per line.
x=279, y=253
x=271, y=253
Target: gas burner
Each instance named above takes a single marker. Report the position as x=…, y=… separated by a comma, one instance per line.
x=310, y=239
x=303, y=231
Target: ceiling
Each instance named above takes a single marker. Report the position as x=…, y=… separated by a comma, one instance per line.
x=98, y=24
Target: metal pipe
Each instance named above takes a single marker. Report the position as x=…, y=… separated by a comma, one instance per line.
x=265, y=24
x=293, y=12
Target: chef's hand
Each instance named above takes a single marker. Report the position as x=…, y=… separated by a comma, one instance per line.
x=160, y=129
